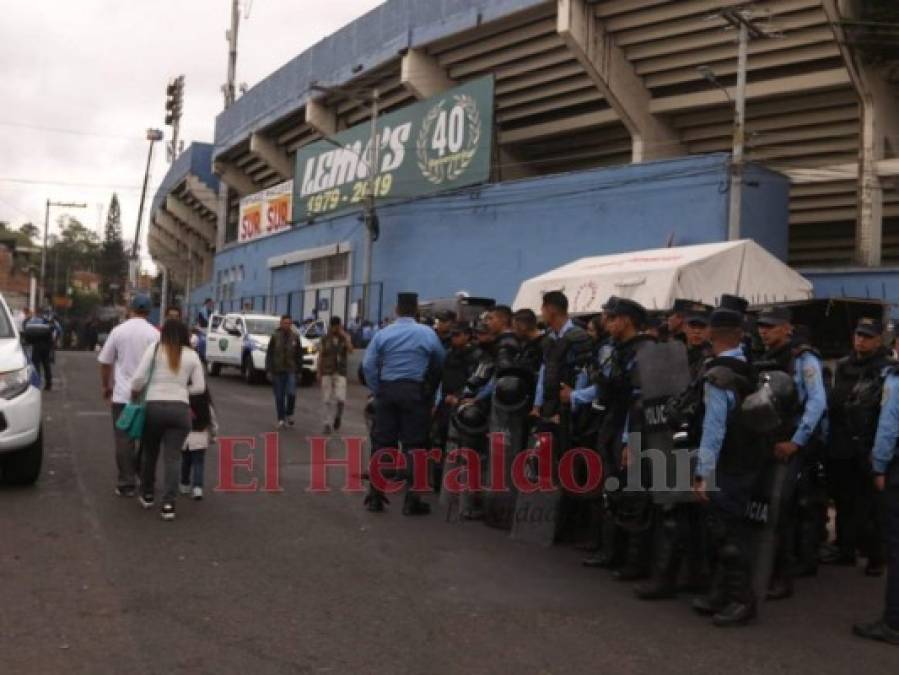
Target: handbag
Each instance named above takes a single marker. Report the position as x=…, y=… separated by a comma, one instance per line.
x=134, y=415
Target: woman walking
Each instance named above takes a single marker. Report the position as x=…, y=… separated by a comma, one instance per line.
x=171, y=372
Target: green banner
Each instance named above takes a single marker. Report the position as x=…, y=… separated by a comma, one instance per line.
x=439, y=144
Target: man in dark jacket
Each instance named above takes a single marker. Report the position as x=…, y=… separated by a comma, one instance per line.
x=282, y=359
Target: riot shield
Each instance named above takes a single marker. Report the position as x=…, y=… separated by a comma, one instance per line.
x=509, y=418
x=536, y=516
x=772, y=492
x=663, y=372
x=467, y=431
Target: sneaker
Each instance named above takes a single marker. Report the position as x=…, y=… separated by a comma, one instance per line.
x=281, y=424
x=125, y=492
x=146, y=501
x=337, y=421
x=290, y=421
x=184, y=489
x=197, y=493
x=327, y=429
x=167, y=512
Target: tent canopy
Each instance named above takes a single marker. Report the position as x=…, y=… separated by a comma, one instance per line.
x=654, y=278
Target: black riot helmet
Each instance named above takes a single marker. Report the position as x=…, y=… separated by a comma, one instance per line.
x=511, y=392
x=773, y=403
x=471, y=420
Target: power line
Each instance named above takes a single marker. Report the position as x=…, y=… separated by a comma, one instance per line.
x=73, y=132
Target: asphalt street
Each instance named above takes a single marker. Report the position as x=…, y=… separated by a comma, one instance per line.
x=295, y=582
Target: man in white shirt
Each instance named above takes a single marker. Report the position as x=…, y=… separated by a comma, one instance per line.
x=119, y=359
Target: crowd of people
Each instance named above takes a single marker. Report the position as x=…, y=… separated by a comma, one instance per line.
x=779, y=438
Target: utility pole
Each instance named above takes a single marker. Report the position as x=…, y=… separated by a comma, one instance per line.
x=370, y=214
x=65, y=205
x=741, y=20
x=230, y=88
x=153, y=135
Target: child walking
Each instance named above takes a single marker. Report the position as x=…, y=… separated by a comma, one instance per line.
x=204, y=428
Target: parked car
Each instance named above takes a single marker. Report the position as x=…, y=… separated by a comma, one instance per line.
x=21, y=438
x=241, y=340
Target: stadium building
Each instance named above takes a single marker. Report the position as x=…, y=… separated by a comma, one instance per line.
x=516, y=135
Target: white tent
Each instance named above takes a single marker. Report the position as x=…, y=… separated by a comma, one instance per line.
x=656, y=277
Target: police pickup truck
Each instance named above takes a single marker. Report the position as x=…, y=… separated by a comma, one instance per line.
x=240, y=341
x=21, y=441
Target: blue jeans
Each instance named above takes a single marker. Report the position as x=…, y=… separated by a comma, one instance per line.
x=193, y=464
x=285, y=387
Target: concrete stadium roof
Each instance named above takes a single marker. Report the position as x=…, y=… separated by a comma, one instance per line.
x=583, y=83
x=183, y=214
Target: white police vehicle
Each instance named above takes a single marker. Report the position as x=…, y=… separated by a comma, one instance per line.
x=21, y=440
x=241, y=340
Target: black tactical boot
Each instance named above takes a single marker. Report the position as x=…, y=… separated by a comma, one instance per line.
x=665, y=566
x=735, y=614
x=713, y=602
x=414, y=506
x=374, y=502
x=636, y=566
x=781, y=588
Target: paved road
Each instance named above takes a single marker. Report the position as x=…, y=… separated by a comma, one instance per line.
x=301, y=583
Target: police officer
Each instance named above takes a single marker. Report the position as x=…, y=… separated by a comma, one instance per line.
x=461, y=361
x=624, y=550
x=800, y=450
x=443, y=326
x=677, y=319
x=41, y=334
x=696, y=321
x=854, y=409
x=530, y=340
x=567, y=352
x=730, y=456
x=885, y=465
x=398, y=363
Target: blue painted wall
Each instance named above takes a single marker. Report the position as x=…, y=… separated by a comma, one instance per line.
x=487, y=240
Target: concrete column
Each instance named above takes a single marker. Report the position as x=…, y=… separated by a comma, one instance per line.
x=869, y=224
x=607, y=66
x=422, y=75
x=321, y=118
x=269, y=152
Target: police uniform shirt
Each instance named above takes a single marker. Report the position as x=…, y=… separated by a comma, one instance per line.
x=404, y=350
x=718, y=403
x=888, y=427
x=586, y=393
x=809, y=379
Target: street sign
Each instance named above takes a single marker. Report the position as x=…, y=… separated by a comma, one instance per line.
x=438, y=144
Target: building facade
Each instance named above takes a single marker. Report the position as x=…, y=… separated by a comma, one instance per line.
x=580, y=85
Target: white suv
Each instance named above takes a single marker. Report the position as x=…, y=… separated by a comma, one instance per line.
x=21, y=440
x=241, y=340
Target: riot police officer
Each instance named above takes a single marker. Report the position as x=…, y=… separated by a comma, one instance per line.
x=800, y=450
x=730, y=456
x=696, y=333
x=677, y=319
x=625, y=535
x=443, y=326
x=530, y=340
x=398, y=363
x=885, y=465
x=461, y=361
x=854, y=410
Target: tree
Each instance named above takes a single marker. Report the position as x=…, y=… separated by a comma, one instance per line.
x=113, y=262
x=76, y=248
x=30, y=230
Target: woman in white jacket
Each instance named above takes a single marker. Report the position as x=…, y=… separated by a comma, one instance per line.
x=176, y=374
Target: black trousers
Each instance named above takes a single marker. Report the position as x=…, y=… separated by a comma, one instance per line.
x=402, y=420
x=40, y=356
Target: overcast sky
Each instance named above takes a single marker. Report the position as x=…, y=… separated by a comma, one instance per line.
x=81, y=81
